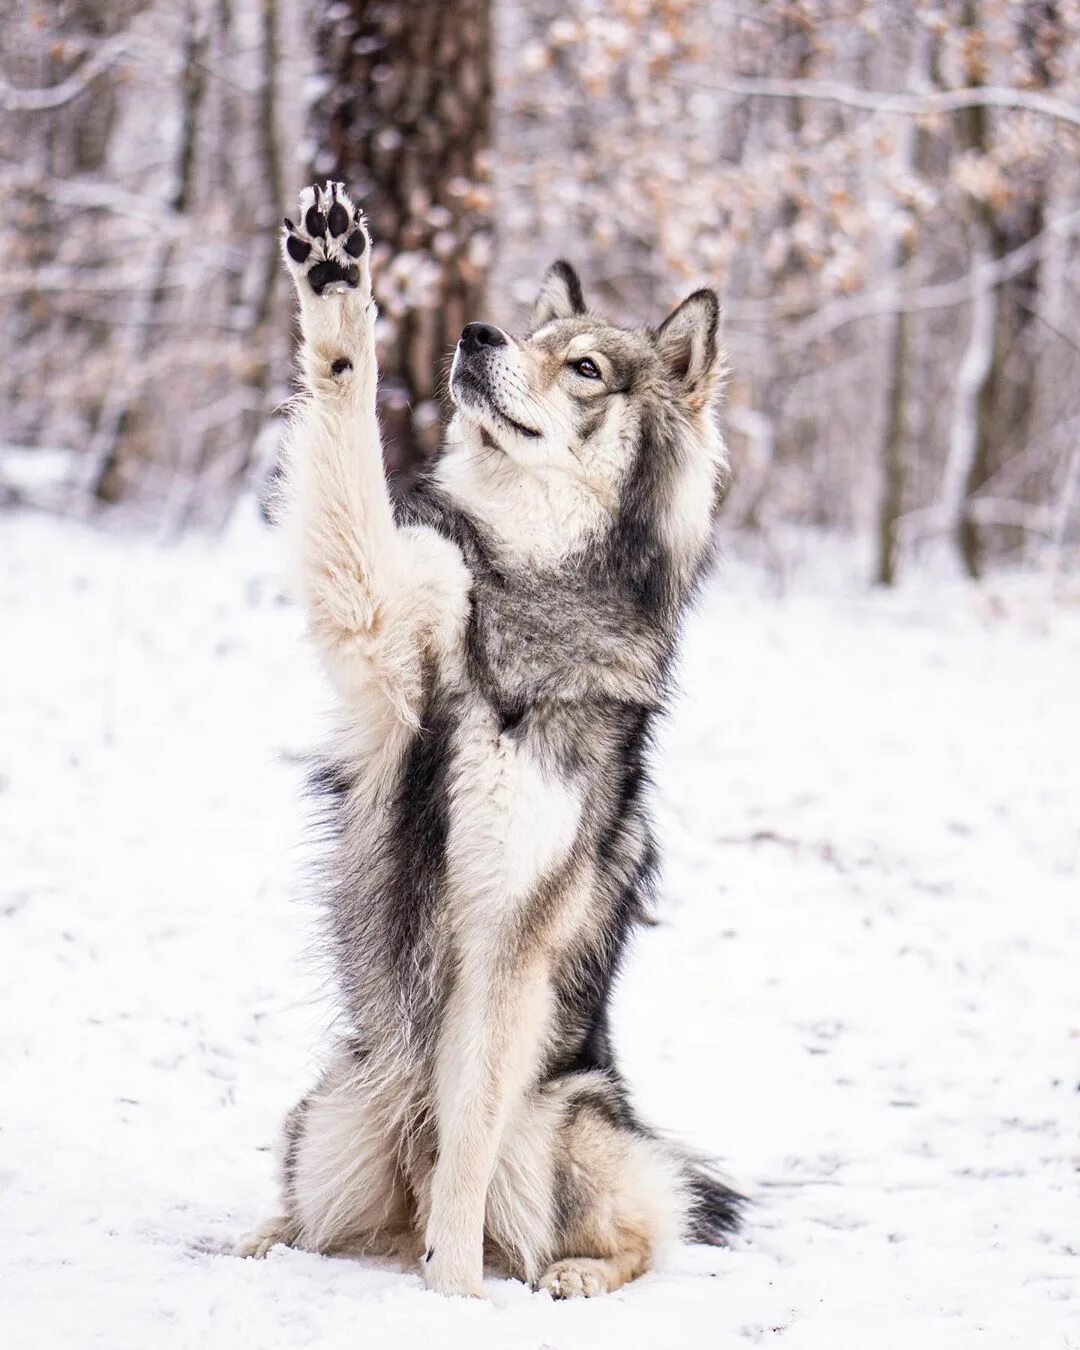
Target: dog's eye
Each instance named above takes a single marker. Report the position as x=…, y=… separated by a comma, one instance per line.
x=588, y=368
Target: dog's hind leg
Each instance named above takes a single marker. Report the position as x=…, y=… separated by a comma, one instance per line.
x=584, y=1198
x=340, y=1178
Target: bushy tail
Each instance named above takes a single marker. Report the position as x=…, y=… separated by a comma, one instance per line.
x=715, y=1210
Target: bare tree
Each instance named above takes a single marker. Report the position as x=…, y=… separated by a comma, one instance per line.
x=154, y=140
x=60, y=102
x=901, y=247
x=1006, y=401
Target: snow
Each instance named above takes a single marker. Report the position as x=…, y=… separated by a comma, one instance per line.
x=862, y=993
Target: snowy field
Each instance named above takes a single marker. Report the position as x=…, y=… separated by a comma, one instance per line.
x=863, y=995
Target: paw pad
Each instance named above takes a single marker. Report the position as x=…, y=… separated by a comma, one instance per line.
x=574, y=1278
x=329, y=241
x=327, y=273
x=337, y=218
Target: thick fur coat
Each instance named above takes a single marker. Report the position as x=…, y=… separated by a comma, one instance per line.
x=501, y=643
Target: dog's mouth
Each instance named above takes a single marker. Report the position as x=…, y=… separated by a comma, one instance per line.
x=473, y=392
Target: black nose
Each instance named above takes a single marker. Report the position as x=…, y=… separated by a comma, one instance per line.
x=477, y=335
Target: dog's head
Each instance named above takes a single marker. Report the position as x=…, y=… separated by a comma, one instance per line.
x=589, y=412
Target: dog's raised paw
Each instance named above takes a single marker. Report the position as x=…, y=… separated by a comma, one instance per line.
x=327, y=250
x=576, y=1277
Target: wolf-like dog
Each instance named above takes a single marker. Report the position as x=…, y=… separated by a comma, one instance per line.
x=501, y=643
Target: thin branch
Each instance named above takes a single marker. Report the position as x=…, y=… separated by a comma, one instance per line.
x=40, y=100
x=927, y=521
x=1004, y=511
x=1056, y=329
x=905, y=105
x=88, y=194
x=941, y=295
x=91, y=281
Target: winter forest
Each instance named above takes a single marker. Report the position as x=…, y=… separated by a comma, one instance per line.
x=858, y=991
x=885, y=194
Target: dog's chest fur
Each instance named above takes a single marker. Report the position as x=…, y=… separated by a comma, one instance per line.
x=513, y=816
x=533, y=753
x=521, y=791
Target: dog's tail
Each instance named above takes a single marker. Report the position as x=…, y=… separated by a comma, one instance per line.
x=715, y=1209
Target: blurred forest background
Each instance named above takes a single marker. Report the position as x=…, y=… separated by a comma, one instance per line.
x=885, y=192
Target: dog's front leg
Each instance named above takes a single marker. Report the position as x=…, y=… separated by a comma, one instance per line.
x=374, y=594
x=335, y=497
x=488, y=1047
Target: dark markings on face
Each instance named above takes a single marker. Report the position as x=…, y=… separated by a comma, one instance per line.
x=636, y=553
x=591, y=418
x=629, y=353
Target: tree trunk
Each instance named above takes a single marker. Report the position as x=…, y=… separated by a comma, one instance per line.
x=894, y=440
x=1006, y=399
x=967, y=436
x=107, y=450
x=976, y=393
x=164, y=168
x=65, y=141
x=406, y=124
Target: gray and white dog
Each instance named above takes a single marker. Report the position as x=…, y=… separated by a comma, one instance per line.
x=501, y=644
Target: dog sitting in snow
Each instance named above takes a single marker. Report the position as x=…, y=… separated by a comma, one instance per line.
x=501, y=644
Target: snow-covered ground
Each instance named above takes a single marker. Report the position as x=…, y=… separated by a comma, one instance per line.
x=864, y=992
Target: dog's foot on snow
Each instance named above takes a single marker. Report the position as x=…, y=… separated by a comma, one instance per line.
x=453, y=1277
x=258, y=1242
x=577, y=1277
x=329, y=250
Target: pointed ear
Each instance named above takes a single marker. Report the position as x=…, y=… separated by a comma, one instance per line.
x=560, y=295
x=688, y=343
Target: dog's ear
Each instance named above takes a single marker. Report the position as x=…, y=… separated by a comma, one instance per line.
x=688, y=343
x=560, y=295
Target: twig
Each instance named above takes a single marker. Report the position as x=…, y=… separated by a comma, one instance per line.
x=985, y=276
x=906, y=104
x=39, y=100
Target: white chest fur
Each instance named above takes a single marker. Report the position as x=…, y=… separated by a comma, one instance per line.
x=513, y=819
